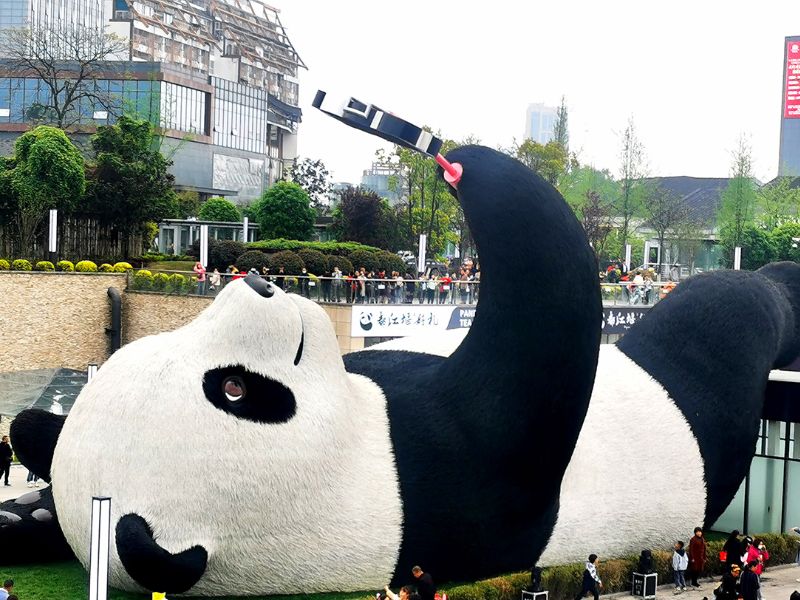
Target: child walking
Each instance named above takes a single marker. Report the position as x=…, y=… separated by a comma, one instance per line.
x=591, y=580
x=680, y=561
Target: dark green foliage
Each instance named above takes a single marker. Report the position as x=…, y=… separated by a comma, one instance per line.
x=221, y=253
x=188, y=204
x=345, y=266
x=314, y=260
x=785, y=247
x=363, y=216
x=252, y=259
x=388, y=261
x=758, y=246
x=291, y=263
x=335, y=248
x=362, y=258
x=219, y=209
x=285, y=211
x=130, y=184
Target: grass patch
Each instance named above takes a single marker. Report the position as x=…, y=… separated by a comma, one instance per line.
x=170, y=265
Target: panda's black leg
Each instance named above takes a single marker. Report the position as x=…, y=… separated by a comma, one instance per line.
x=29, y=530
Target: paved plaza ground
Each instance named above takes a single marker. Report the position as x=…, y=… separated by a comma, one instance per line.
x=18, y=484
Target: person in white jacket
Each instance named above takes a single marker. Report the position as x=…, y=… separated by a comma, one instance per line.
x=680, y=562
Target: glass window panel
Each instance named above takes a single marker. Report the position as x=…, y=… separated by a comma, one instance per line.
x=733, y=517
x=766, y=494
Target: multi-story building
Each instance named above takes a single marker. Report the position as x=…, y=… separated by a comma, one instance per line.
x=384, y=180
x=539, y=123
x=789, y=157
x=219, y=77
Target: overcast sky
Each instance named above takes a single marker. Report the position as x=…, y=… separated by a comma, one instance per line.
x=694, y=75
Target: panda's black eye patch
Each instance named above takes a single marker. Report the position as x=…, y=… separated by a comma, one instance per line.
x=249, y=396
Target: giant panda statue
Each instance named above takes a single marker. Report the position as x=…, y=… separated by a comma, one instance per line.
x=245, y=456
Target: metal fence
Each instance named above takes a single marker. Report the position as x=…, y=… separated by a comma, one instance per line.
x=374, y=291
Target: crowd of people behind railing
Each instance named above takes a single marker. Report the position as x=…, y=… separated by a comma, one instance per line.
x=360, y=286
x=637, y=286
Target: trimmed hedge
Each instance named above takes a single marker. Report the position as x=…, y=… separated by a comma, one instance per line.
x=65, y=266
x=21, y=265
x=314, y=260
x=362, y=258
x=106, y=268
x=4, y=265
x=335, y=248
x=389, y=262
x=44, y=265
x=291, y=263
x=345, y=266
x=86, y=266
x=564, y=581
x=122, y=267
x=142, y=280
x=252, y=259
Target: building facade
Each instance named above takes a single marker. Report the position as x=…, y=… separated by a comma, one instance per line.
x=789, y=157
x=539, y=123
x=218, y=77
x=384, y=180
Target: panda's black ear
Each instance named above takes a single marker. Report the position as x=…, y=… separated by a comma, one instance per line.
x=34, y=434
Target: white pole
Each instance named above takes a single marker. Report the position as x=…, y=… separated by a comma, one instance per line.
x=53, y=233
x=246, y=224
x=98, y=549
x=737, y=258
x=204, y=245
x=628, y=256
x=91, y=371
x=423, y=242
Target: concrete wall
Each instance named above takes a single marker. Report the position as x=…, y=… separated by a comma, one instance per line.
x=59, y=319
x=54, y=319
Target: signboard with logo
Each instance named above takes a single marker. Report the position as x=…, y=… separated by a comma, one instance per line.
x=791, y=101
x=400, y=320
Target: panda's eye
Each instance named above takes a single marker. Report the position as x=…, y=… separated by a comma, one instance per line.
x=234, y=388
x=247, y=395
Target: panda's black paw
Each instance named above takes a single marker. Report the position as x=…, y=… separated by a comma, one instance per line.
x=29, y=530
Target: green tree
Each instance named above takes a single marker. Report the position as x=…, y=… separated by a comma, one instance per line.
x=737, y=209
x=778, y=202
x=130, y=184
x=628, y=204
x=758, y=246
x=314, y=178
x=787, y=242
x=549, y=160
x=47, y=172
x=188, y=204
x=284, y=211
x=219, y=209
x=363, y=216
x=665, y=212
x=561, y=126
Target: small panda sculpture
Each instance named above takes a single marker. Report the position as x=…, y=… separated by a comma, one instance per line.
x=245, y=456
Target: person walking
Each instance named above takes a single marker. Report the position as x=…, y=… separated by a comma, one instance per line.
x=680, y=562
x=749, y=584
x=200, y=271
x=425, y=586
x=6, y=454
x=33, y=479
x=698, y=555
x=591, y=580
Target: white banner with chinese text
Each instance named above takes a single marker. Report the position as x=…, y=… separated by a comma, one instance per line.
x=399, y=320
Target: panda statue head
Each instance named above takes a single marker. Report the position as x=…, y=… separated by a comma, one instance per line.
x=228, y=447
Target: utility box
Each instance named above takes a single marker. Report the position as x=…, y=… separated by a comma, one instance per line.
x=644, y=585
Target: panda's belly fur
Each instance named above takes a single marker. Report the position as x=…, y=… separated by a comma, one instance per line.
x=635, y=443
x=636, y=478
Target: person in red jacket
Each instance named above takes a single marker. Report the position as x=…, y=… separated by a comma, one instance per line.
x=697, y=556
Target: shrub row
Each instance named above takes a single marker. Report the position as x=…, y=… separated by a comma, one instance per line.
x=174, y=283
x=564, y=581
x=84, y=266
x=317, y=263
x=334, y=248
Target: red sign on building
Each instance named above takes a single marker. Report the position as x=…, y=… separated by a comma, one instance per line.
x=791, y=103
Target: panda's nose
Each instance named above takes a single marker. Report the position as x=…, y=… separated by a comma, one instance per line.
x=259, y=285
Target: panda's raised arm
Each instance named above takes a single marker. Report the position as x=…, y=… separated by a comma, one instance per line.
x=537, y=326
x=34, y=434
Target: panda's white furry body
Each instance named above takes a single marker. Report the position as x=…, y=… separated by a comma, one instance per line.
x=636, y=478
x=278, y=507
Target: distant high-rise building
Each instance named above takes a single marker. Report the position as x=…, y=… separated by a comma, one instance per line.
x=789, y=158
x=378, y=178
x=539, y=122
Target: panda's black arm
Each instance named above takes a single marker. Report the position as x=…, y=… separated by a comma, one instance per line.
x=34, y=434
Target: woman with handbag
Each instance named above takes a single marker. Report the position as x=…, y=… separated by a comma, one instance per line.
x=732, y=550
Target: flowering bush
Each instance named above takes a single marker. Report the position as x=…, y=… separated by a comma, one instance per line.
x=160, y=281
x=44, y=265
x=142, y=280
x=21, y=265
x=122, y=267
x=86, y=266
